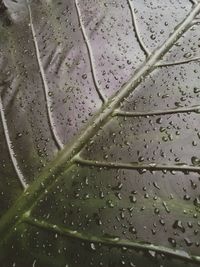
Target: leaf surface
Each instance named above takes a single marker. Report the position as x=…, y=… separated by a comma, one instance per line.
x=99, y=133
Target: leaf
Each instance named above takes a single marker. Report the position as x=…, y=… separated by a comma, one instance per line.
x=99, y=116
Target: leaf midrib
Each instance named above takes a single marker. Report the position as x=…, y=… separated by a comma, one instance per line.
x=64, y=159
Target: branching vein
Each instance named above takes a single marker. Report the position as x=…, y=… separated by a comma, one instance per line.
x=90, y=54
x=10, y=149
x=136, y=166
x=111, y=241
x=156, y=112
x=196, y=22
x=137, y=33
x=44, y=81
x=181, y=62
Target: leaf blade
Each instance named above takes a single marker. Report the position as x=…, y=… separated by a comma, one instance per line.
x=28, y=199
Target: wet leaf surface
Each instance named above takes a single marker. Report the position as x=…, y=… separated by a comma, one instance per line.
x=99, y=133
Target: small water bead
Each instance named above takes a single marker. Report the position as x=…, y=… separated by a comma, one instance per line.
x=162, y=222
x=194, y=143
x=92, y=245
x=133, y=199
x=196, y=90
x=197, y=202
x=190, y=224
x=153, y=36
x=193, y=184
x=179, y=225
x=186, y=197
x=187, y=55
x=195, y=161
x=156, y=185
x=156, y=211
x=50, y=94
x=188, y=242
x=84, y=76
x=132, y=230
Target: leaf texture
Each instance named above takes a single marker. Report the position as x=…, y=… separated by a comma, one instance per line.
x=99, y=133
